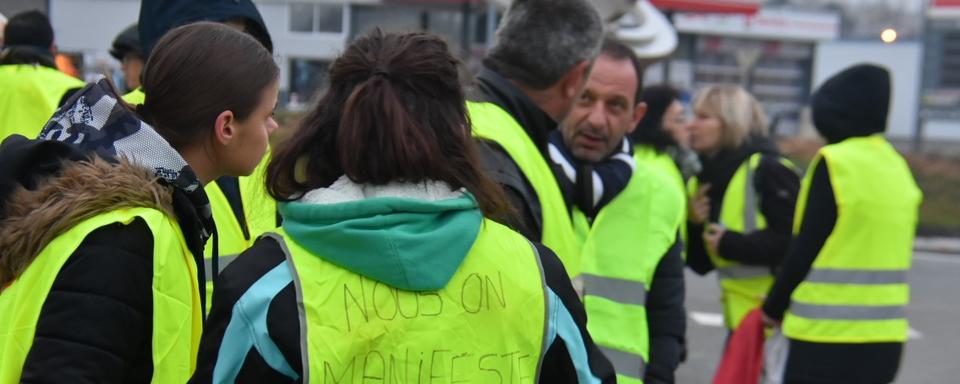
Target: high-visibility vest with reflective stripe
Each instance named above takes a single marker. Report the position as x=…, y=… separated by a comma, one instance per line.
x=486, y=326
x=177, y=313
x=492, y=123
x=856, y=290
x=134, y=97
x=260, y=214
x=743, y=287
x=662, y=162
x=621, y=251
x=29, y=95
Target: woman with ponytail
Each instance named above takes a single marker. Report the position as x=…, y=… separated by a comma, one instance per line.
x=385, y=267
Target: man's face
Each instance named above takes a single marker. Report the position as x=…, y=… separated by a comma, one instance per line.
x=605, y=112
x=132, y=66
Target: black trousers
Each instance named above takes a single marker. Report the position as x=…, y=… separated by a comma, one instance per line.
x=827, y=363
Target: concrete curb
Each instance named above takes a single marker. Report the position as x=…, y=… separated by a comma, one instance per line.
x=947, y=245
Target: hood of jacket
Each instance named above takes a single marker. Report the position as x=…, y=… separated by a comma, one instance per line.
x=95, y=121
x=852, y=103
x=50, y=187
x=409, y=236
x=159, y=16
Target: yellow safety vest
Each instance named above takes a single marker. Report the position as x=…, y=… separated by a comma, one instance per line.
x=177, y=314
x=487, y=325
x=621, y=251
x=743, y=287
x=856, y=290
x=492, y=123
x=135, y=97
x=260, y=213
x=664, y=164
x=29, y=95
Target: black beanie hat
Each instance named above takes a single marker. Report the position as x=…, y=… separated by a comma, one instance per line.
x=31, y=28
x=128, y=41
x=852, y=103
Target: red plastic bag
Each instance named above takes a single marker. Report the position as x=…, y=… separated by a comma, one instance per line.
x=743, y=358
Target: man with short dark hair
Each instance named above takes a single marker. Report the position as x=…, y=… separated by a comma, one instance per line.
x=31, y=87
x=628, y=221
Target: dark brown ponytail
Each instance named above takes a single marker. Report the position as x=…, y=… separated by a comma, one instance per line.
x=395, y=111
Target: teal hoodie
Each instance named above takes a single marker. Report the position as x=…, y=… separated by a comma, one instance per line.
x=414, y=245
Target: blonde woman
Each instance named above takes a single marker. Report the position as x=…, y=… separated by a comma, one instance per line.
x=742, y=201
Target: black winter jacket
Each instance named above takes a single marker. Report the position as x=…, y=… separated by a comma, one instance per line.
x=777, y=186
x=96, y=323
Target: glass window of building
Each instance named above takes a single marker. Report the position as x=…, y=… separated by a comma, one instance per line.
x=329, y=18
x=301, y=17
x=316, y=17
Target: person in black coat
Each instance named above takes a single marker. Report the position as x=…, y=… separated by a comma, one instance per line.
x=593, y=142
x=852, y=104
x=727, y=130
x=99, y=156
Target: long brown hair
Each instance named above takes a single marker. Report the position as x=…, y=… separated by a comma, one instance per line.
x=395, y=111
x=198, y=71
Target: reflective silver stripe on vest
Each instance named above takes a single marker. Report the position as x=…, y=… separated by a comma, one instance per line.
x=224, y=261
x=618, y=290
x=749, y=200
x=857, y=276
x=546, y=309
x=848, y=312
x=736, y=272
x=626, y=363
x=301, y=310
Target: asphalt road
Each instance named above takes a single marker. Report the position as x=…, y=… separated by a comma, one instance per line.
x=932, y=354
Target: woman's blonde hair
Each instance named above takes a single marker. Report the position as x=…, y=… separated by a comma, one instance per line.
x=740, y=114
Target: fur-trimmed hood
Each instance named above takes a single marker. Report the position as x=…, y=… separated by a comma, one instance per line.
x=81, y=190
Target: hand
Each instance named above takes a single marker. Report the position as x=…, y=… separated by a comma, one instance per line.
x=769, y=321
x=712, y=235
x=698, y=208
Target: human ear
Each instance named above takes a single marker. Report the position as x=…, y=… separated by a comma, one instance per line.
x=224, y=127
x=638, y=112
